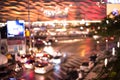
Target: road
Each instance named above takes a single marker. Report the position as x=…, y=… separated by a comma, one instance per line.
x=77, y=50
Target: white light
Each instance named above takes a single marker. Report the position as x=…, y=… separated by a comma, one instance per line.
x=87, y=24
x=118, y=44
x=87, y=30
x=106, y=40
x=49, y=49
x=107, y=21
x=99, y=28
x=57, y=67
x=82, y=21
x=113, y=51
x=28, y=66
x=56, y=40
x=106, y=61
x=56, y=61
x=113, y=1
x=70, y=5
x=96, y=37
x=81, y=28
x=39, y=55
x=98, y=42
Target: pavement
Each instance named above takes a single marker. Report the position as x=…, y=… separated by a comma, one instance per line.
x=96, y=70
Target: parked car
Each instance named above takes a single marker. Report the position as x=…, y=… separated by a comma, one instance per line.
x=86, y=66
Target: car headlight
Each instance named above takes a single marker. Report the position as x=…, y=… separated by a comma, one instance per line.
x=56, y=40
x=49, y=43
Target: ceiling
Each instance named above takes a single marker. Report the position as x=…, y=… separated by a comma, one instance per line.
x=47, y=10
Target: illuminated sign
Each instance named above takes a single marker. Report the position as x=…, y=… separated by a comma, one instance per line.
x=113, y=1
x=15, y=29
x=113, y=9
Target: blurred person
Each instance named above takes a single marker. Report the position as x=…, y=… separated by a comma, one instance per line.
x=72, y=74
x=93, y=58
x=68, y=74
x=3, y=59
x=80, y=75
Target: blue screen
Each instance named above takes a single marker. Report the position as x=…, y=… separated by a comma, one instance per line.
x=15, y=28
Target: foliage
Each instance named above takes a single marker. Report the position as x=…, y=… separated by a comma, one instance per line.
x=112, y=74
x=110, y=26
x=112, y=71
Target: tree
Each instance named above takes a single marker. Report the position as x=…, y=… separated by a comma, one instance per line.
x=110, y=26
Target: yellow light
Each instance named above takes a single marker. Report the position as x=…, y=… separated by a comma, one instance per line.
x=27, y=33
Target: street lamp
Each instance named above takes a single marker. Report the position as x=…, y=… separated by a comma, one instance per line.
x=30, y=45
x=98, y=45
x=118, y=44
x=0, y=41
x=33, y=41
x=106, y=62
x=106, y=44
x=113, y=51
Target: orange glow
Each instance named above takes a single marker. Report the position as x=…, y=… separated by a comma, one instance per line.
x=83, y=53
x=85, y=49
